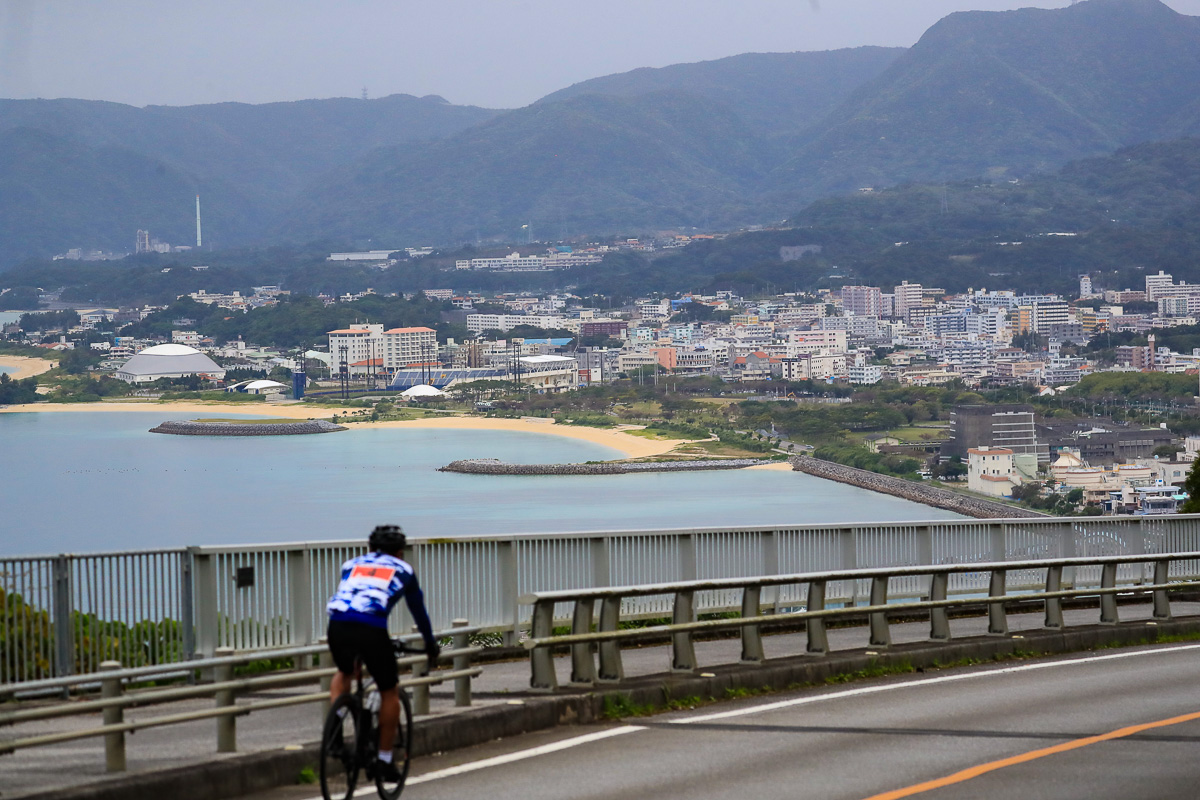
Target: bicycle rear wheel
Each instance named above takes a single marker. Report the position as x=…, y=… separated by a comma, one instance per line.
x=401, y=752
x=341, y=749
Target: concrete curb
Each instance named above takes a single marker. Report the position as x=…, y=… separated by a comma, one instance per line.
x=239, y=775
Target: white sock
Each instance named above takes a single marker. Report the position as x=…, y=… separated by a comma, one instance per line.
x=386, y=756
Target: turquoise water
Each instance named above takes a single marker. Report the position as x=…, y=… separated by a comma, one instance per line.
x=96, y=481
x=7, y=370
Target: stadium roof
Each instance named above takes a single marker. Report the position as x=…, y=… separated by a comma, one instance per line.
x=169, y=360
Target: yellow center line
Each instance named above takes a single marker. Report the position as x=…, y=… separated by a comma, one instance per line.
x=992, y=766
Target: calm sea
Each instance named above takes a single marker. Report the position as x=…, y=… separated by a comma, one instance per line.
x=84, y=482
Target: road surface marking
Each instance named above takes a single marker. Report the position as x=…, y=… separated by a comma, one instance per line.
x=1033, y=755
x=566, y=744
x=508, y=758
x=892, y=687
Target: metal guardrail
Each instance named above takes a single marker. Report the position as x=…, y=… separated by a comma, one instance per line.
x=684, y=625
x=69, y=613
x=224, y=688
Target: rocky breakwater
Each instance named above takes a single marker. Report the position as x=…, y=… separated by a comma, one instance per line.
x=491, y=466
x=917, y=492
x=247, y=428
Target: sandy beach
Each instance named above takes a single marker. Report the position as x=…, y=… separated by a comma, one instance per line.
x=631, y=446
x=26, y=366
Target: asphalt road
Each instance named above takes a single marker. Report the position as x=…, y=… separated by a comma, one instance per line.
x=1023, y=731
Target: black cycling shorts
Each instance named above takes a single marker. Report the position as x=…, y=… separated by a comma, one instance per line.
x=350, y=640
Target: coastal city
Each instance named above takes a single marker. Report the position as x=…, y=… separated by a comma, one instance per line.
x=828, y=347
x=606, y=400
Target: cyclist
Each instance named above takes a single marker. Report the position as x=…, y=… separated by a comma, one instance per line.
x=370, y=587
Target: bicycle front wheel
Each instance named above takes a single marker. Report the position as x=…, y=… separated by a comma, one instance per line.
x=401, y=752
x=341, y=749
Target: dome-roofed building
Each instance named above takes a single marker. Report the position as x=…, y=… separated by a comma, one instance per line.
x=169, y=361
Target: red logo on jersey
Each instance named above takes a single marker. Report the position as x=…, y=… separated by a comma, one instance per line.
x=384, y=574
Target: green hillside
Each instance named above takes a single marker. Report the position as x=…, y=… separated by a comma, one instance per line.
x=776, y=93
x=1010, y=94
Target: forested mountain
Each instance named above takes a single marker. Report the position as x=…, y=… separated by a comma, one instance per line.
x=982, y=94
x=715, y=145
x=775, y=93
x=1010, y=93
x=119, y=168
x=584, y=164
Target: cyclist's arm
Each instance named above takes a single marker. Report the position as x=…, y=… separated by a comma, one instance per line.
x=415, y=599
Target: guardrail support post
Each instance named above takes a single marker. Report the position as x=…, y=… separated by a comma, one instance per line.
x=541, y=659
x=939, y=618
x=64, y=639
x=1054, y=615
x=325, y=661
x=1162, y=602
x=611, y=669
x=299, y=580
x=752, y=645
x=420, y=694
x=683, y=649
x=583, y=666
x=204, y=580
x=506, y=556
x=114, y=743
x=769, y=595
x=226, y=725
x=462, y=686
x=881, y=635
x=997, y=587
x=818, y=639
x=1108, y=602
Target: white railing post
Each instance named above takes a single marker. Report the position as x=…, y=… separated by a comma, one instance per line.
x=226, y=724
x=881, y=635
x=849, y=538
x=510, y=614
x=462, y=685
x=939, y=618
x=300, y=600
x=114, y=743
x=64, y=635
x=683, y=649
x=1162, y=601
x=997, y=590
x=769, y=595
x=420, y=694
x=204, y=579
x=542, y=676
x=752, y=645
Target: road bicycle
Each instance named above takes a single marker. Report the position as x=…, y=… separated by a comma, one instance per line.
x=350, y=738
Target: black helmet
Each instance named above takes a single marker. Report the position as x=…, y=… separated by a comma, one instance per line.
x=387, y=539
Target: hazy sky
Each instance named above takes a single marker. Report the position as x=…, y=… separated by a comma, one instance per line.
x=496, y=53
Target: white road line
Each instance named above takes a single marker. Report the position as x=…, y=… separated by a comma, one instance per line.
x=566, y=744
x=508, y=758
x=800, y=701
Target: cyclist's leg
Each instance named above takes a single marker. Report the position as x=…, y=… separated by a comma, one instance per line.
x=344, y=648
x=389, y=718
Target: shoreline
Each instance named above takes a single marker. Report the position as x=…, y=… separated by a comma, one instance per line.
x=26, y=366
x=629, y=445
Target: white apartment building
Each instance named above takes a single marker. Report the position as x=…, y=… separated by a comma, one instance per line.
x=403, y=347
x=478, y=323
x=864, y=301
x=821, y=342
x=907, y=296
x=1048, y=313
x=813, y=366
x=1156, y=283
x=992, y=471
x=863, y=373
x=355, y=347
x=799, y=315
x=853, y=325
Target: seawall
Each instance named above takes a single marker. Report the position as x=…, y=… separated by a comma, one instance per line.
x=491, y=466
x=918, y=493
x=246, y=429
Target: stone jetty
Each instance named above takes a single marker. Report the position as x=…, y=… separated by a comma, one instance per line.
x=492, y=466
x=246, y=428
x=917, y=492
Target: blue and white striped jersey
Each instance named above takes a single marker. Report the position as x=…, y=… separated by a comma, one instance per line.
x=370, y=587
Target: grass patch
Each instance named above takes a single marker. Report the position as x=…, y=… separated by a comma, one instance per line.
x=307, y=776
x=619, y=706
